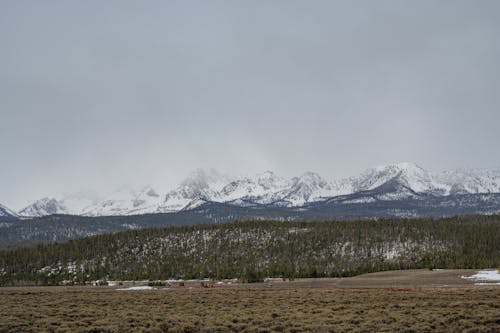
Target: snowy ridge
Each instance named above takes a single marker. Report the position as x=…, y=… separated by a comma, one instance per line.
x=261, y=189
x=44, y=206
x=200, y=186
x=309, y=187
x=407, y=174
x=6, y=213
x=390, y=182
x=125, y=201
x=472, y=181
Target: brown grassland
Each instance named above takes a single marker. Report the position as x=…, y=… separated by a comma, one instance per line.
x=266, y=307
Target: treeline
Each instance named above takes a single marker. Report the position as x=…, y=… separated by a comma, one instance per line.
x=251, y=251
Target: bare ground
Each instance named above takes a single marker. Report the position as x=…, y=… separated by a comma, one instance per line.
x=399, y=301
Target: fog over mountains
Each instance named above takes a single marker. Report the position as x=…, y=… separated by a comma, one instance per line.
x=394, y=182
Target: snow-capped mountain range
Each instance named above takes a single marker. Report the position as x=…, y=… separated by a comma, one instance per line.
x=407, y=180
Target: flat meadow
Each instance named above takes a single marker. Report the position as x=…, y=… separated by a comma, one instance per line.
x=301, y=306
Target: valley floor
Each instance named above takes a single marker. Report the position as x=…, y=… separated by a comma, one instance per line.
x=403, y=301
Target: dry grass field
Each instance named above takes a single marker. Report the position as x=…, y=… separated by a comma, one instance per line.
x=280, y=307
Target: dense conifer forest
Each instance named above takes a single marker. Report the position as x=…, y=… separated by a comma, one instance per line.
x=251, y=251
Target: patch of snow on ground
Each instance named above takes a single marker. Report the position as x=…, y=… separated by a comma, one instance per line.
x=487, y=277
x=138, y=288
x=360, y=200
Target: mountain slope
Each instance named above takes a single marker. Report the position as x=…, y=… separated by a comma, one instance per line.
x=261, y=189
x=42, y=207
x=125, y=201
x=472, y=181
x=6, y=214
x=200, y=186
x=400, y=181
x=409, y=175
x=308, y=187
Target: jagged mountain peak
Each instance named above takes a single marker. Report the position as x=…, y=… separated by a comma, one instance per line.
x=259, y=189
x=198, y=187
x=44, y=206
x=307, y=187
x=308, y=183
x=269, y=180
x=472, y=180
x=405, y=170
x=408, y=174
x=395, y=181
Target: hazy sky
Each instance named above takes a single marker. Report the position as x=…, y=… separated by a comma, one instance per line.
x=95, y=94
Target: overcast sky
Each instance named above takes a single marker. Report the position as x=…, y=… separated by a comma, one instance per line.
x=95, y=94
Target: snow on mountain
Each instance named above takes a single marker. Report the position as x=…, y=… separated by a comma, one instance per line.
x=42, y=207
x=126, y=201
x=200, y=186
x=6, y=213
x=390, y=182
x=76, y=203
x=408, y=174
x=73, y=204
x=261, y=189
x=472, y=181
x=413, y=177
x=307, y=188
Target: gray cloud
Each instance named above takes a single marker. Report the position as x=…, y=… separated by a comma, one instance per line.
x=95, y=94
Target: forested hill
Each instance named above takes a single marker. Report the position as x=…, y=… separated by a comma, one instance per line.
x=253, y=250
